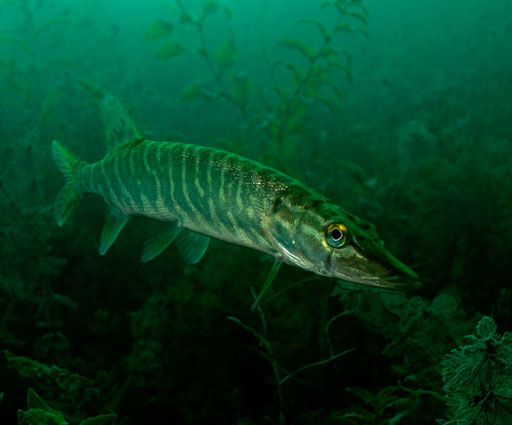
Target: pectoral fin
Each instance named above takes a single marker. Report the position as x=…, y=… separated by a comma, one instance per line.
x=270, y=278
x=115, y=220
x=192, y=246
x=159, y=240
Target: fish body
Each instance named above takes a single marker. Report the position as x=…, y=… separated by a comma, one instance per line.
x=205, y=190
x=204, y=193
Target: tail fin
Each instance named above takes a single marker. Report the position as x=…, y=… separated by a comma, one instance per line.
x=67, y=198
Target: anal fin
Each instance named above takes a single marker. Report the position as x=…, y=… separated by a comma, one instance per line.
x=159, y=240
x=192, y=246
x=115, y=220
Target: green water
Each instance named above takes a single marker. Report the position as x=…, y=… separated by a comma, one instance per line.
x=398, y=111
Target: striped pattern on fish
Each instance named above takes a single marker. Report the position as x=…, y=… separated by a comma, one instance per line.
x=206, y=190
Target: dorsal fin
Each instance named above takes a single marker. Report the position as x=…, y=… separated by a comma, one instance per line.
x=119, y=126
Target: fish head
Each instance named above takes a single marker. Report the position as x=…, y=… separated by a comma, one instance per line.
x=321, y=237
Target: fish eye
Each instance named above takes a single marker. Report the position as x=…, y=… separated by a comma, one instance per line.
x=336, y=234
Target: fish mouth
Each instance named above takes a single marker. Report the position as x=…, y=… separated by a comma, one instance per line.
x=398, y=282
x=386, y=272
x=385, y=280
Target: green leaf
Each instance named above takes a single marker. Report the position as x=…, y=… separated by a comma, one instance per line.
x=443, y=305
x=39, y=417
x=36, y=405
x=329, y=53
x=297, y=74
x=187, y=18
x=387, y=394
x=72, y=386
x=228, y=13
x=36, y=402
x=318, y=77
x=58, y=61
x=209, y=8
x=343, y=68
x=320, y=26
x=226, y=54
x=352, y=29
x=326, y=101
x=298, y=45
x=100, y=420
x=361, y=17
x=242, y=88
x=190, y=92
x=17, y=42
x=327, y=3
x=363, y=394
x=196, y=92
x=282, y=92
x=486, y=328
x=158, y=29
x=49, y=23
x=169, y=50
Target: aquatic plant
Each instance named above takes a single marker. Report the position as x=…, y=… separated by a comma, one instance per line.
x=26, y=73
x=478, y=378
x=280, y=374
x=385, y=407
x=317, y=81
x=71, y=394
x=218, y=63
x=59, y=383
x=273, y=111
x=40, y=413
x=418, y=330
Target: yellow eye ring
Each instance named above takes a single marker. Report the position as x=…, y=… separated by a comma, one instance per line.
x=336, y=235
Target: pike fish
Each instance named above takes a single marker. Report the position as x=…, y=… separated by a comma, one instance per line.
x=201, y=193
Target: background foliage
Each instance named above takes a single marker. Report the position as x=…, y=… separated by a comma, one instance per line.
x=399, y=112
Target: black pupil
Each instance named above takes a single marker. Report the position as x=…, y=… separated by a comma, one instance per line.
x=336, y=234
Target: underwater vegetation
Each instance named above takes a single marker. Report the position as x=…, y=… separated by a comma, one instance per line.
x=398, y=112
x=303, y=77
x=477, y=377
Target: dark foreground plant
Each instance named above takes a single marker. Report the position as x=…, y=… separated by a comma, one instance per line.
x=478, y=378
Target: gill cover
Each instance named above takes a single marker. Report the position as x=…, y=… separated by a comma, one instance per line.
x=282, y=227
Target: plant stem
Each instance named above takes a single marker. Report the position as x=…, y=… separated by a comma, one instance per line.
x=289, y=111
x=217, y=76
x=321, y=362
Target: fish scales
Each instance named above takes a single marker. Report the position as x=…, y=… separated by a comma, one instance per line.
x=206, y=190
